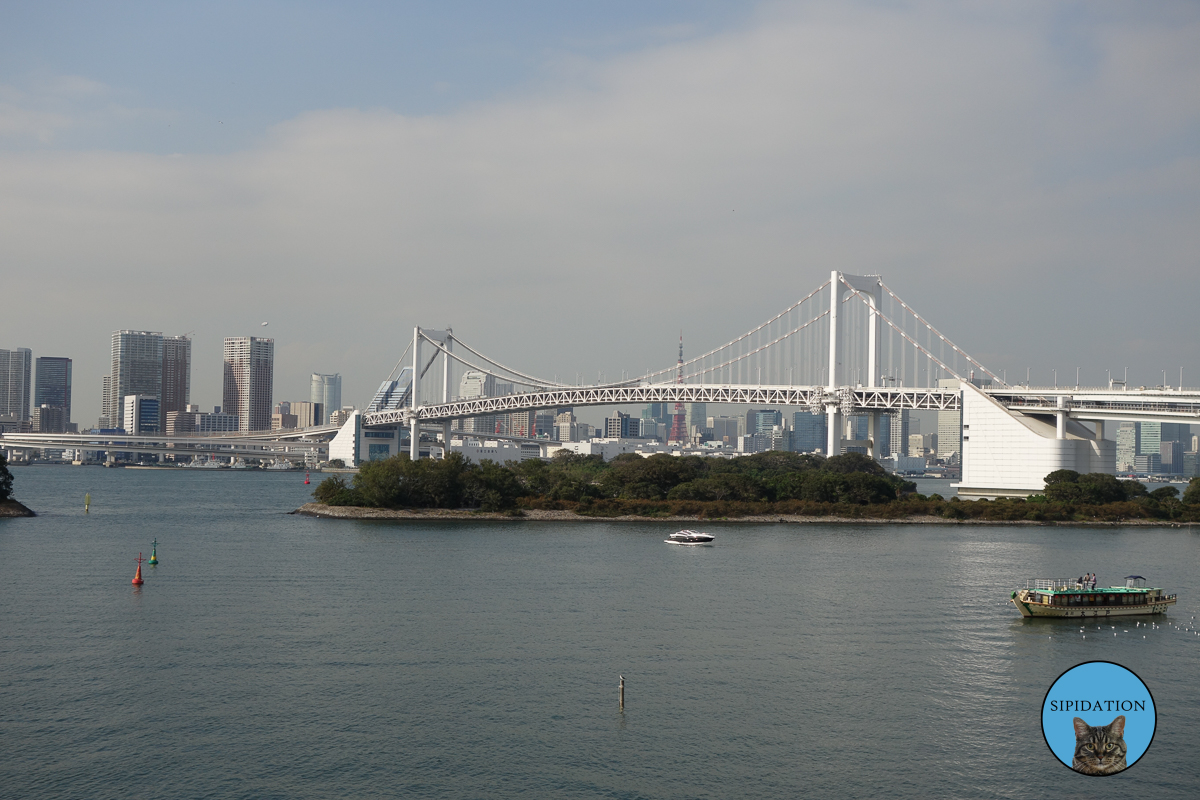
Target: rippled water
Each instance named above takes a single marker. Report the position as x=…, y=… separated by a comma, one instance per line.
x=271, y=655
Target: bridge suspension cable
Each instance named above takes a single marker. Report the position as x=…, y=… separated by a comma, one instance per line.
x=744, y=336
x=759, y=349
x=936, y=332
x=530, y=379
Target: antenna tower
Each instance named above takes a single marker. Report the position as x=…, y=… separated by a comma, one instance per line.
x=679, y=419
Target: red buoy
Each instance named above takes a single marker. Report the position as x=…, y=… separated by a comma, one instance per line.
x=306, y=479
x=137, y=579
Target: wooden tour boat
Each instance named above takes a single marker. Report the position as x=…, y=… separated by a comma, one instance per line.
x=1070, y=598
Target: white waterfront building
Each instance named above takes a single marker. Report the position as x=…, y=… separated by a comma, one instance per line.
x=1009, y=454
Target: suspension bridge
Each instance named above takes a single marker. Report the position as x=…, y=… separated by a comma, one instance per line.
x=851, y=347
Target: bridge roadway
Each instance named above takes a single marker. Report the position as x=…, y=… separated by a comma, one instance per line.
x=1089, y=404
x=291, y=444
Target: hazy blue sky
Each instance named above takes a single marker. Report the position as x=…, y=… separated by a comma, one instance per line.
x=570, y=185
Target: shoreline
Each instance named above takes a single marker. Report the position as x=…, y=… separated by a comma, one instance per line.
x=11, y=509
x=532, y=515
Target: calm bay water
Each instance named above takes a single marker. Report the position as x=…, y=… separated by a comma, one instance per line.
x=271, y=655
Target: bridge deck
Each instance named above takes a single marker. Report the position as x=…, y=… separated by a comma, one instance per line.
x=1085, y=404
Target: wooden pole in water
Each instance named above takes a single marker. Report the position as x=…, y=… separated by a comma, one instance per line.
x=621, y=693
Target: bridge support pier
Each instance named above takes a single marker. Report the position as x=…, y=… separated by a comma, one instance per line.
x=833, y=431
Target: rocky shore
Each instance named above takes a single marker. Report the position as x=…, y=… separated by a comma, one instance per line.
x=11, y=508
x=357, y=512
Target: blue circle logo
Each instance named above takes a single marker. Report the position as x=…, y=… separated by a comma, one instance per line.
x=1098, y=718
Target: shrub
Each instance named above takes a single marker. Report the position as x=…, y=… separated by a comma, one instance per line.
x=6, y=480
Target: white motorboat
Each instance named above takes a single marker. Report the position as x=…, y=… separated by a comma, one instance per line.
x=689, y=537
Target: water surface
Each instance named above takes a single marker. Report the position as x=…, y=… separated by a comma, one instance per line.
x=271, y=655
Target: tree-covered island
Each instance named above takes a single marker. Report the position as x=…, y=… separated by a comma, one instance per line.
x=764, y=484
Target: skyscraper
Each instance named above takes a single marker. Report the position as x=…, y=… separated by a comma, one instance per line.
x=1127, y=450
x=899, y=433
x=808, y=432
x=326, y=390
x=136, y=368
x=176, y=376
x=53, y=387
x=15, y=373
x=478, y=384
x=249, y=380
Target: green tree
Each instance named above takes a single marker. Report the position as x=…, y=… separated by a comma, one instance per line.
x=492, y=487
x=853, y=462
x=6, y=480
x=1165, y=493
x=1062, y=476
x=334, y=491
x=1191, y=495
x=386, y=483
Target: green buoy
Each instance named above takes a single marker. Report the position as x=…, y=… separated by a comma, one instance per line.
x=154, y=553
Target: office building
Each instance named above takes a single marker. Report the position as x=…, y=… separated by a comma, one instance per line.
x=651, y=429
x=762, y=420
x=307, y=414
x=176, y=375
x=657, y=412
x=1149, y=440
x=1150, y=464
x=899, y=428
x=696, y=420
x=809, y=432
x=16, y=368
x=48, y=419
x=724, y=429
x=340, y=416
x=283, y=422
x=249, y=381
x=950, y=422
x=140, y=414
x=477, y=384
x=326, y=390
x=1171, y=457
x=922, y=444
x=543, y=422
x=621, y=426
x=217, y=422
x=1127, y=449
x=53, y=386
x=1191, y=465
x=135, y=368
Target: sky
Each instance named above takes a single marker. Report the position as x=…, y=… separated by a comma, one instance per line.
x=570, y=185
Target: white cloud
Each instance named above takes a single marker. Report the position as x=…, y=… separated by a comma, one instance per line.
x=701, y=184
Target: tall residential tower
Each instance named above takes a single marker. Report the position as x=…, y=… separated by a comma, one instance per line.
x=15, y=374
x=53, y=389
x=249, y=378
x=135, y=368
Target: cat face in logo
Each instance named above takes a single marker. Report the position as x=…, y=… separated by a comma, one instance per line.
x=1099, y=750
